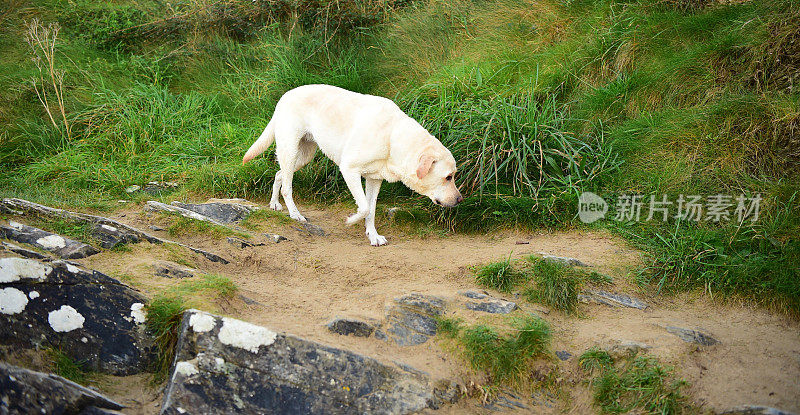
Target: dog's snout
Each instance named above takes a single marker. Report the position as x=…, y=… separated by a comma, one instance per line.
x=437, y=201
x=459, y=199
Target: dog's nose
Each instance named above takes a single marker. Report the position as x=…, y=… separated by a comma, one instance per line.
x=459, y=199
x=437, y=202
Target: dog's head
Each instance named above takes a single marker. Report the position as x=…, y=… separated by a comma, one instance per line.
x=435, y=175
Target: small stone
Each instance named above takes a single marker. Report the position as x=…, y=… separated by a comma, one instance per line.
x=754, y=410
x=220, y=212
x=626, y=348
x=310, y=228
x=392, y=212
x=411, y=319
x=241, y=243
x=156, y=228
x=133, y=188
x=693, y=336
x=351, y=326
x=172, y=270
x=492, y=306
x=475, y=295
x=611, y=299
x=274, y=237
x=563, y=355
x=522, y=242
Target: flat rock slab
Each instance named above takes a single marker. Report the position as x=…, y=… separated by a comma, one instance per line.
x=90, y=316
x=110, y=236
x=611, y=299
x=218, y=211
x=224, y=365
x=486, y=303
x=27, y=253
x=168, y=269
x=351, y=327
x=411, y=319
x=63, y=247
x=563, y=260
x=24, y=391
x=154, y=206
x=693, y=336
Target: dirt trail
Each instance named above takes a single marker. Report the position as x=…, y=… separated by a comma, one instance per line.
x=299, y=285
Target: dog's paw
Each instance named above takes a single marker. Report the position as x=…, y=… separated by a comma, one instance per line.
x=376, y=240
x=356, y=217
x=275, y=206
x=298, y=217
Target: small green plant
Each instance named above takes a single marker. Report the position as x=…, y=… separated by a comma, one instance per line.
x=556, y=285
x=68, y=368
x=500, y=275
x=254, y=219
x=448, y=327
x=80, y=231
x=163, y=319
x=637, y=384
x=595, y=360
x=208, y=284
x=505, y=358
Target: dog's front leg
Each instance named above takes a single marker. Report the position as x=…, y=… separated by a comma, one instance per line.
x=353, y=179
x=373, y=187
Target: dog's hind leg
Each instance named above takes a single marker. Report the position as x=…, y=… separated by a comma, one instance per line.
x=353, y=179
x=274, y=201
x=373, y=187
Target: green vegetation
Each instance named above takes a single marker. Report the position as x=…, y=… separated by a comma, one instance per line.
x=638, y=384
x=165, y=311
x=254, y=220
x=499, y=275
x=503, y=358
x=183, y=226
x=80, y=231
x=68, y=368
x=538, y=100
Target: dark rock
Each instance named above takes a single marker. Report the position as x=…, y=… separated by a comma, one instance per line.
x=24, y=391
x=90, y=316
x=159, y=188
x=220, y=212
x=487, y=303
x=250, y=301
x=27, y=253
x=57, y=244
x=351, y=326
x=153, y=206
x=411, y=319
x=310, y=228
x=693, y=336
x=505, y=400
x=172, y=270
x=611, y=299
x=156, y=228
x=223, y=365
x=563, y=260
x=110, y=236
x=754, y=410
x=241, y=243
x=563, y=355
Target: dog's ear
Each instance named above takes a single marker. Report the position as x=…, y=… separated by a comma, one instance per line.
x=424, y=167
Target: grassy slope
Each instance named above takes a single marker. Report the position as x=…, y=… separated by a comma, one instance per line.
x=538, y=100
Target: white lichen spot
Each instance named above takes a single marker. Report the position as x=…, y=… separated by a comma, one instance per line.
x=72, y=268
x=52, y=242
x=181, y=410
x=219, y=362
x=109, y=227
x=186, y=369
x=65, y=319
x=12, y=301
x=84, y=340
x=33, y=294
x=245, y=335
x=14, y=269
x=201, y=322
x=138, y=313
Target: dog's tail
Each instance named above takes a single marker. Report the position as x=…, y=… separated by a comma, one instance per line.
x=262, y=144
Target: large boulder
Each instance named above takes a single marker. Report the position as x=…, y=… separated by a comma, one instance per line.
x=88, y=315
x=24, y=391
x=63, y=247
x=224, y=365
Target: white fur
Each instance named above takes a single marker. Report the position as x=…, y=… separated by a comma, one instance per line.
x=367, y=137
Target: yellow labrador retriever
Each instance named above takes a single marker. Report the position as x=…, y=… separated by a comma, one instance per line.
x=366, y=136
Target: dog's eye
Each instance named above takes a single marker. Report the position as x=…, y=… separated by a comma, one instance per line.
x=449, y=177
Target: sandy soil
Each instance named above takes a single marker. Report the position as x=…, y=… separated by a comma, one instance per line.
x=300, y=284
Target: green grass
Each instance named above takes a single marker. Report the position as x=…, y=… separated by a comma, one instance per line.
x=183, y=226
x=504, y=358
x=555, y=285
x=68, y=368
x=499, y=275
x=256, y=218
x=637, y=384
x=80, y=231
x=164, y=315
